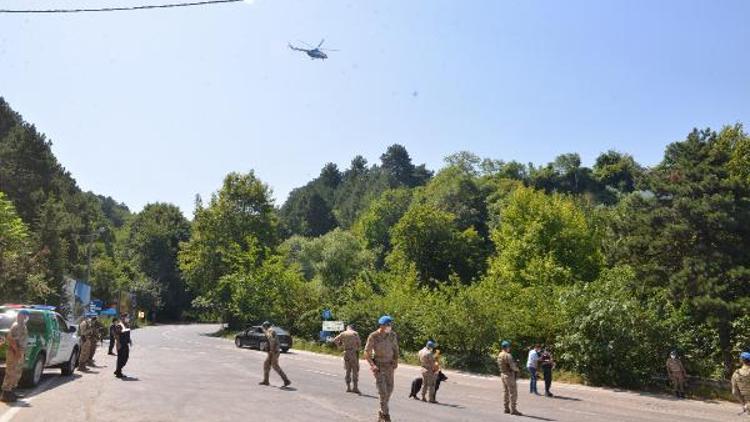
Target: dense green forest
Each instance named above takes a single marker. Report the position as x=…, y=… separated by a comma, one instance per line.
x=613, y=265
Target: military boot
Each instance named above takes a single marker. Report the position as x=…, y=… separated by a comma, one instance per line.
x=507, y=410
x=287, y=382
x=348, y=387
x=355, y=390
x=381, y=416
x=8, y=397
x=516, y=412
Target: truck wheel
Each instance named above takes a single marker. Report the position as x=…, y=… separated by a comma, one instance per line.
x=285, y=349
x=32, y=377
x=70, y=367
x=237, y=342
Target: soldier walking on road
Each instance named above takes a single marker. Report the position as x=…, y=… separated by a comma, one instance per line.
x=85, y=332
x=677, y=374
x=381, y=352
x=508, y=374
x=349, y=341
x=17, y=339
x=741, y=382
x=429, y=371
x=272, y=359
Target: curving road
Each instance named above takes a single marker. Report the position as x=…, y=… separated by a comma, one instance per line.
x=180, y=373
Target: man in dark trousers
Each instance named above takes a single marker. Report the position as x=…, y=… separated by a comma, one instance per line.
x=123, y=345
x=112, y=334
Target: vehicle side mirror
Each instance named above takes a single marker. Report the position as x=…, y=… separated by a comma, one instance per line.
x=71, y=330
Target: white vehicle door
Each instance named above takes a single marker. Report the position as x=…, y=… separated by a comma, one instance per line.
x=67, y=341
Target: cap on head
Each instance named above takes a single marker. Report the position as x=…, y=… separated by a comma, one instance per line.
x=745, y=356
x=431, y=344
x=385, y=320
x=266, y=324
x=505, y=344
x=351, y=326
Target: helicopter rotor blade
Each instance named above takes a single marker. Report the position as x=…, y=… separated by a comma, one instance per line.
x=321, y=42
x=305, y=43
x=329, y=49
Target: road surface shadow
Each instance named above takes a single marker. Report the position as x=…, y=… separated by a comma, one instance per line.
x=455, y=406
x=127, y=378
x=539, y=418
x=20, y=403
x=287, y=388
x=556, y=397
x=48, y=382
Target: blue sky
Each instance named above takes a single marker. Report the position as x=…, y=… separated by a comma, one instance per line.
x=159, y=105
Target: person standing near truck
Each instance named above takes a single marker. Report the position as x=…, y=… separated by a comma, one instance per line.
x=17, y=339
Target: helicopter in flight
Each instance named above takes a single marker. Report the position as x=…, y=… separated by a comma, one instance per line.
x=313, y=52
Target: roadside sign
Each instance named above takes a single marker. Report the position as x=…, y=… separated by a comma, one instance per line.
x=333, y=325
x=141, y=315
x=327, y=314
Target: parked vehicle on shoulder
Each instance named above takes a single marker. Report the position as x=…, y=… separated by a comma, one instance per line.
x=255, y=338
x=53, y=342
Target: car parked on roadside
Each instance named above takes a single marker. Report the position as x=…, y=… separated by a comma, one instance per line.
x=255, y=338
x=53, y=342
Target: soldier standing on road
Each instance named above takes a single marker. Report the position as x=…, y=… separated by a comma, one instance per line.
x=741, y=382
x=381, y=352
x=17, y=339
x=508, y=374
x=96, y=337
x=272, y=359
x=349, y=341
x=85, y=331
x=429, y=371
x=677, y=374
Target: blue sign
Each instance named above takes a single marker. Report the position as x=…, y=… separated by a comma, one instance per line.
x=327, y=314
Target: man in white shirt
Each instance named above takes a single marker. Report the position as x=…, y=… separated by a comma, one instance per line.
x=531, y=365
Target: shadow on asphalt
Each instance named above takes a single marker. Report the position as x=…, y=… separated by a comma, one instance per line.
x=48, y=382
x=455, y=406
x=539, y=418
x=556, y=397
x=287, y=389
x=127, y=378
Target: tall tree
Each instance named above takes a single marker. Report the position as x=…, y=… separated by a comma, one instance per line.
x=233, y=232
x=689, y=233
x=155, y=235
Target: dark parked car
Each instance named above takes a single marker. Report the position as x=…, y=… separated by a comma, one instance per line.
x=255, y=338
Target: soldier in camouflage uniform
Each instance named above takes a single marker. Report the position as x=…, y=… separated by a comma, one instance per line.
x=381, y=352
x=741, y=382
x=677, y=374
x=429, y=371
x=17, y=339
x=508, y=374
x=97, y=330
x=272, y=359
x=85, y=332
x=349, y=341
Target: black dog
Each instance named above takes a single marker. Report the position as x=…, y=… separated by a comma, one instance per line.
x=416, y=385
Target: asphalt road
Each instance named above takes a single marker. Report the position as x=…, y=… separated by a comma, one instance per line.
x=182, y=373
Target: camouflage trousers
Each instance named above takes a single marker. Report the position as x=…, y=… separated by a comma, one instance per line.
x=384, y=384
x=351, y=365
x=85, y=356
x=272, y=361
x=428, y=384
x=510, y=392
x=92, y=352
x=678, y=383
x=13, y=370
